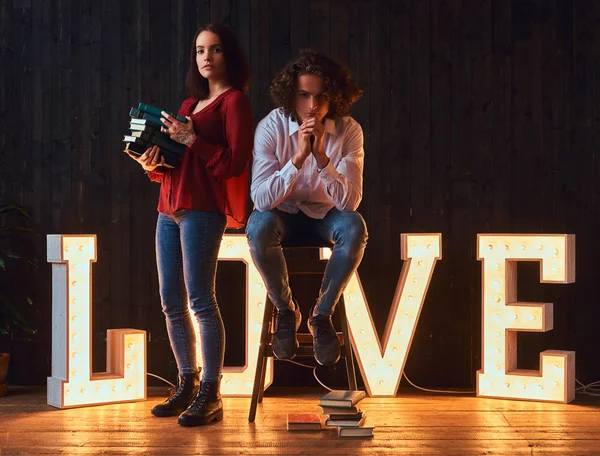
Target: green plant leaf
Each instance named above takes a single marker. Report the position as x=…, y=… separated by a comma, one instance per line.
x=5, y=208
x=11, y=319
x=12, y=323
x=15, y=230
x=18, y=256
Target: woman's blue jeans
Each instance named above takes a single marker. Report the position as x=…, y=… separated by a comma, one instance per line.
x=187, y=247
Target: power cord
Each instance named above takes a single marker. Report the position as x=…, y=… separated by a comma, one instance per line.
x=591, y=389
x=314, y=369
x=435, y=390
x=160, y=378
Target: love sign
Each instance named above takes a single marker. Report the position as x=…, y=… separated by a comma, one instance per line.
x=381, y=362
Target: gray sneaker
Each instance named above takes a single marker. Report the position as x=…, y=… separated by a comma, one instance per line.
x=325, y=341
x=284, y=341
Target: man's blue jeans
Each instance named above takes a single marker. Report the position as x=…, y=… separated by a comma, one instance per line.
x=187, y=247
x=266, y=231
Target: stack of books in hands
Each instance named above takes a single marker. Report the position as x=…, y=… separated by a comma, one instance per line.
x=145, y=132
x=343, y=411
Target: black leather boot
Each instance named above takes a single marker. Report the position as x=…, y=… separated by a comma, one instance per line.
x=206, y=408
x=180, y=397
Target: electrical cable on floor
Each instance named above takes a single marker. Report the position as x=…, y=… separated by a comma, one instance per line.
x=435, y=390
x=314, y=369
x=160, y=378
x=591, y=389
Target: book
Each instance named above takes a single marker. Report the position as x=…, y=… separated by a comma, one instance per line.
x=141, y=117
x=141, y=125
x=154, y=136
x=346, y=411
x=356, y=422
x=303, y=422
x=335, y=415
x=165, y=144
x=136, y=127
x=363, y=431
x=135, y=150
x=170, y=162
x=158, y=112
x=139, y=120
x=145, y=125
x=140, y=145
x=341, y=398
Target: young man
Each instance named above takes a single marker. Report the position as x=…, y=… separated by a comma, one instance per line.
x=307, y=177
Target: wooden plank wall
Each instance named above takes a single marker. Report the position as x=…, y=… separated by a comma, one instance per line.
x=479, y=116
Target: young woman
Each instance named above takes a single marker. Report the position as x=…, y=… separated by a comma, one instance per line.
x=206, y=193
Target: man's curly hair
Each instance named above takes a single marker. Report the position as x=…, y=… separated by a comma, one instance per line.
x=339, y=86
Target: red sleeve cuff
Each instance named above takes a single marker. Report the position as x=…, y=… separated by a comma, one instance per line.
x=204, y=149
x=156, y=175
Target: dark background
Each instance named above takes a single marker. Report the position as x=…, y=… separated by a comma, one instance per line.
x=479, y=117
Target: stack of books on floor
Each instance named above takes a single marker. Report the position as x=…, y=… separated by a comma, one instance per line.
x=343, y=411
x=145, y=132
x=303, y=422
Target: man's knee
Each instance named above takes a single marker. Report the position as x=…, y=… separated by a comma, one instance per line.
x=354, y=232
x=262, y=228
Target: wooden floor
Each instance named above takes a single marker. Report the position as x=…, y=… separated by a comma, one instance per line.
x=412, y=423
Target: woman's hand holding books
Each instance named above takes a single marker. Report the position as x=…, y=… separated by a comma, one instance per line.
x=151, y=159
x=181, y=132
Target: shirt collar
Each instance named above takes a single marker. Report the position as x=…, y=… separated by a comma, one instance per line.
x=329, y=126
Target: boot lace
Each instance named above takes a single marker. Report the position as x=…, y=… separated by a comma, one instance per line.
x=201, y=398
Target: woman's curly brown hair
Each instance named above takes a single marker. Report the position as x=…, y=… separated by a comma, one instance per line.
x=339, y=86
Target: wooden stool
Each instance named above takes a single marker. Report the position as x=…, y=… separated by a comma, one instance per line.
x=304, y=339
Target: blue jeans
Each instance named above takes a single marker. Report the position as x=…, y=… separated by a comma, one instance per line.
x=187, y=247
x=347, y=232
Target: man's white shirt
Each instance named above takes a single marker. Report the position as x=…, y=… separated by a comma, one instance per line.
x=277, y=183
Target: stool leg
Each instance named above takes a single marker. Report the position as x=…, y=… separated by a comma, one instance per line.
x=261, y=361
x=267, y=351
x=348, y=353
x=263, y=373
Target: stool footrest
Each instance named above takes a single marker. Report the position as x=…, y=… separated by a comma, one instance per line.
x=307, y=338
